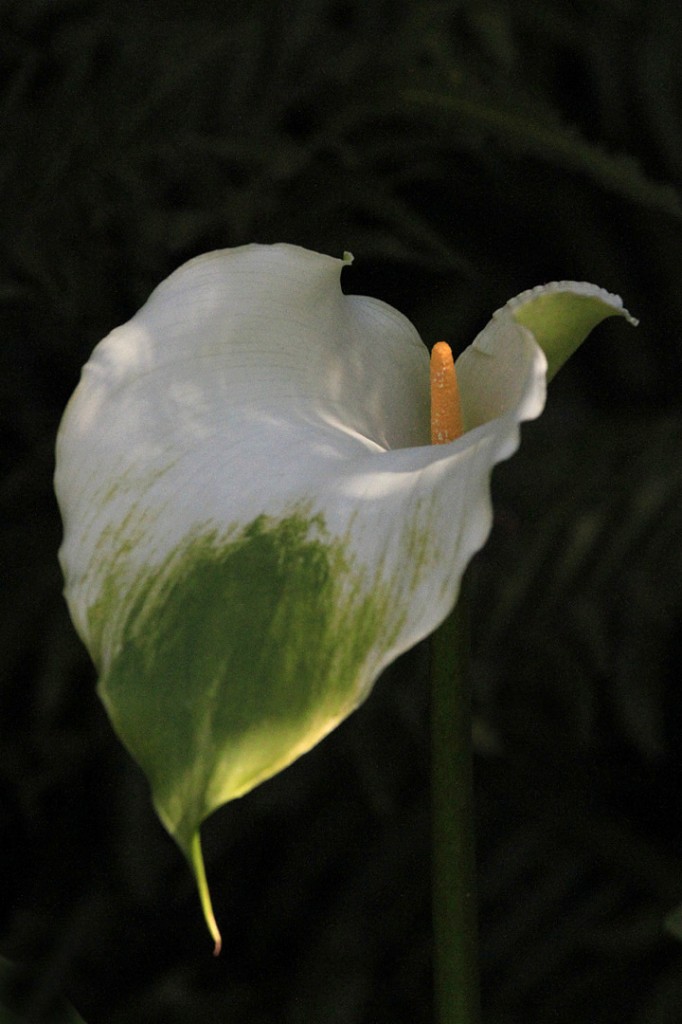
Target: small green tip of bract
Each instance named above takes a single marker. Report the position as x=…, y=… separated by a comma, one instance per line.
x=561, y=315
x=197, y=861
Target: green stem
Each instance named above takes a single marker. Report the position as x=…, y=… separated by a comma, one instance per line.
x=456, y=984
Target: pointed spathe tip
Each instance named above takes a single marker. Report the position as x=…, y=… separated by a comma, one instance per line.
x=197, y=861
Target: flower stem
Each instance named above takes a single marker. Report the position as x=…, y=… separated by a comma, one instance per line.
x=456, y=984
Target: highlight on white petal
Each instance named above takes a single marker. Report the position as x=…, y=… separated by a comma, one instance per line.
x=254, y=522
x=503, y=373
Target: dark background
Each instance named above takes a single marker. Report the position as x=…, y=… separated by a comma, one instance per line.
x=463, y=151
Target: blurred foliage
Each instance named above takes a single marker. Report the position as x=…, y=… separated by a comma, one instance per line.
x=14, y=984
x=463, y=150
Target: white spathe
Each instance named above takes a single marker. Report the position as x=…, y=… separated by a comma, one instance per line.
x=249, y=384
x=255, y=524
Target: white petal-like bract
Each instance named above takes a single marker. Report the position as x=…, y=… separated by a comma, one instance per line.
x=254, y=522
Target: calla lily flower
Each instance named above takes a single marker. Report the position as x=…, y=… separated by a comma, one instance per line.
x=255, y=521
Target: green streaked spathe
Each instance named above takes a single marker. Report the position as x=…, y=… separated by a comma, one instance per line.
x=254, y=525
x=236, y=656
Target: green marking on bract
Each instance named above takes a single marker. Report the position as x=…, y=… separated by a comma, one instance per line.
x=561, y=318
x=236, y=657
